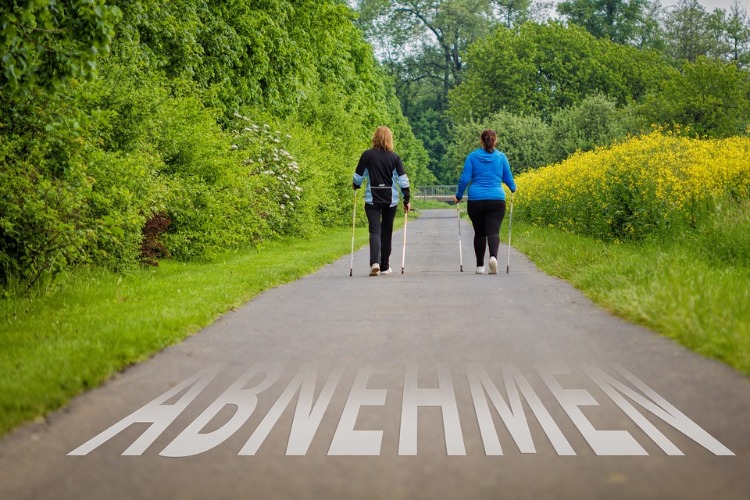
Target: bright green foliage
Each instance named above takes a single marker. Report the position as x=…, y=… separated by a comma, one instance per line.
x=66, y=199
x=48, y=41
x=708, y=98
x=672, y=286
x=52, y=353
x=622, y=21
x=594, y=122
x=160, y=136
x=541, y=69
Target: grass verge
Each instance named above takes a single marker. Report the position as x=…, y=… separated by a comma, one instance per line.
x=670, y=287
x=95, y=323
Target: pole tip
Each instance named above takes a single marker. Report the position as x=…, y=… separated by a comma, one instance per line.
x=350, y=273
x=507, y=269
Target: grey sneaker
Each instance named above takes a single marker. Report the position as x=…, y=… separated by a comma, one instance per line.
x=493, y=265
x=375, y=269
x=480, y=270
x=387, y=271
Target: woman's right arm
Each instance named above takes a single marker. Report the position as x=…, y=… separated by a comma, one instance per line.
x=508, y=175
x=359, y=173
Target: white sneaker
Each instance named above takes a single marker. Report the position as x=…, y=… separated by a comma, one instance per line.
x=480, y=270
x=375, y=269
x=387, y=271
x=493, y=265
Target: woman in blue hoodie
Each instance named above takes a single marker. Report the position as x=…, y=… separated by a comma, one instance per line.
x=485, y=171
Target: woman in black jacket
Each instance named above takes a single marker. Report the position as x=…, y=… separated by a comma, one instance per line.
x=385, y=173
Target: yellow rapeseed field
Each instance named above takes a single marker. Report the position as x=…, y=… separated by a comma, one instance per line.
x=638, y=187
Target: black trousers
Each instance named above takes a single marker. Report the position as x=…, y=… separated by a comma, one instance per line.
x=486, y=217
x=380, y=219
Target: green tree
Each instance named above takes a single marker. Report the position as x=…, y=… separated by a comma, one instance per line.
x=46, y=42
x=737, y=35
x=541, y=69
x=708, y=98
x=622, y=21
x=688, y=32
x=513, y=12
x=594, y=122
x=437, y=30
x=431, y=130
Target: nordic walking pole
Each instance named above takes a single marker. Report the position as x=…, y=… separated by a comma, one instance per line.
x=510, y=227
x=403, y=253
x=354, y=220
x=460, y=250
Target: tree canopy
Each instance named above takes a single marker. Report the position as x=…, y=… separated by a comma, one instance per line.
x=49, y=42
x=206, y=126
x=540, y=69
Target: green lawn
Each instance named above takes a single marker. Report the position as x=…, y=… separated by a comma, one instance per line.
x=56, y=345
x=676, y=288
x=95, y=323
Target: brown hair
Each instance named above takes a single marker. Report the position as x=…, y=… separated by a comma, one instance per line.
x=382, y=138
x=489, y=138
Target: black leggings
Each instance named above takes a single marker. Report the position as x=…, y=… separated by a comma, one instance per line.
x=381, y=230
x=486, y=217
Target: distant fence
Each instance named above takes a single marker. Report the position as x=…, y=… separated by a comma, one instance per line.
x=438, y=193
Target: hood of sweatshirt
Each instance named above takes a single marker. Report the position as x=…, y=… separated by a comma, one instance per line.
x=485, y=157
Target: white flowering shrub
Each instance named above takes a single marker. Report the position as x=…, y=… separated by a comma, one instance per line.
x=273, y=171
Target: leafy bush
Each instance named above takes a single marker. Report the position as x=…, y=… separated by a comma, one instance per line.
x=523, y=139
x=66, y=201
x=707, y=98
x=592, y=123
x=648, y=186
x=152, y=158
x=274, y=172
x=40, y=228
x=49, y=42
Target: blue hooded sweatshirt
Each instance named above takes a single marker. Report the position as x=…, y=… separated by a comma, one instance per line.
x=486, y=172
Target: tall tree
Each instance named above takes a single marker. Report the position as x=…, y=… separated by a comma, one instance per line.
x=431, y=34
x=688, y=31
x=512, y=12
x=737, y=35
x=422, y=43
x=622, y=21
x=707, y=98
x=541, y=69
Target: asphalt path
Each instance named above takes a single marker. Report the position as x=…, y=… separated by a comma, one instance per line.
x=433, y=383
